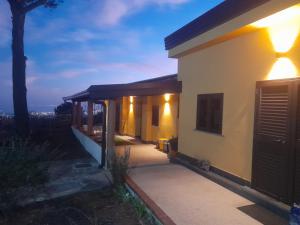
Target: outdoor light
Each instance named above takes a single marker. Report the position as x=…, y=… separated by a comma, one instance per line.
x=131, y=99
x=167, y=109
x=283, y=28
x=283, y=68
x=131, y=104
x=167, y=97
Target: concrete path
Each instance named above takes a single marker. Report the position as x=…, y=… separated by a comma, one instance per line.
x=69, y=177
x=191, y=199
x=144, y=155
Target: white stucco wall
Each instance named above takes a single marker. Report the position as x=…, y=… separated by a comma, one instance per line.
x=89, y=145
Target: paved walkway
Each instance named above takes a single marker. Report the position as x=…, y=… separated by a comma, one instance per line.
x=145, y=155
x=191, y=199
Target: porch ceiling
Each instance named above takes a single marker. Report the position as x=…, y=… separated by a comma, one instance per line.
x=156, y=86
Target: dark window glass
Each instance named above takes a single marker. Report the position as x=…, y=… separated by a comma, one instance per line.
x=155, y=115
x=210, y=112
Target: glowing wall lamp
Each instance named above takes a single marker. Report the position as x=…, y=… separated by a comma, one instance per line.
x=131, y=104
x=167, y=109
x=283, y=68
x=283, y=28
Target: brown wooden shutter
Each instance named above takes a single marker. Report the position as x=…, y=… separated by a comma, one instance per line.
x=271, y=147
x=297, y=154
x=273, y=112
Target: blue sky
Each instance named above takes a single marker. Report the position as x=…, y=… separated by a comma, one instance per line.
x=85, y=42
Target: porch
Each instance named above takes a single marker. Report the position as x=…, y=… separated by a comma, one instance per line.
x=146, y=110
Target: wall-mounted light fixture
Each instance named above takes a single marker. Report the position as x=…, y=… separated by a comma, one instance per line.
x=283, y=28
x=131, y=104
x=167, y=109
x=167, y=97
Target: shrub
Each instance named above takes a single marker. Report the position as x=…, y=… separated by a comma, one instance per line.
x=119, y=166
x=64, y=108
x=20, y=170
x=174, y=143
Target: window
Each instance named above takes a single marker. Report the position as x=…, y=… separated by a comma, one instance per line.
x=210, y=112
x=155, y=115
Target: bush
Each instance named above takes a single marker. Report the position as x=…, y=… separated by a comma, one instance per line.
x=20, y=170
x=119, y=166
x=64, y=108
x=174, y=143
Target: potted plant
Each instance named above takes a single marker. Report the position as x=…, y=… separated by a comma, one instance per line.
x=173, y=147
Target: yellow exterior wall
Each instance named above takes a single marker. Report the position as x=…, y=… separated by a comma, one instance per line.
x=168, y=117
x=129, y=117
x=140, y=118
x=232, y=68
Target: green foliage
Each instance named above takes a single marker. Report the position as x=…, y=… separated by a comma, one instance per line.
x=174, y=143
x=64, y=108
x=139, y=207
x=122, y=194
x=141, y=210
x=20, y=170
x=119, y=166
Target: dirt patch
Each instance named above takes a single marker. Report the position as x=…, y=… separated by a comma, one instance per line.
x=93, y=208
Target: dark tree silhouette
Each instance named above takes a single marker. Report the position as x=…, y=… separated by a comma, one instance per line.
x=19, y=9
x=64, y=108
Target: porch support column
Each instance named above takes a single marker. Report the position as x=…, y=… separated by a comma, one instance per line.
x=78, y=114
x=74, y=114
x=90, y=121
x=110, y=132
x=147, y=121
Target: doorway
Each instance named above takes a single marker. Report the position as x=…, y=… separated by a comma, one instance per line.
x=276, y=141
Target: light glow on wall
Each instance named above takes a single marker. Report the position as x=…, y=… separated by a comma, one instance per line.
x=283, y=28
x=283, y=68
x=130, y=104
x=167, y=97
x=131, y=99
x=167, y=109
x=130, y=108
x=283, y=37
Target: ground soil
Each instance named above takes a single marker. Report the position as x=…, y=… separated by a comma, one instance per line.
x=93, y=208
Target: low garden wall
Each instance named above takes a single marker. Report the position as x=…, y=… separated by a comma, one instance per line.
x=89, y=145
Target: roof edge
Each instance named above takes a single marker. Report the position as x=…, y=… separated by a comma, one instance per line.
x=216, y=16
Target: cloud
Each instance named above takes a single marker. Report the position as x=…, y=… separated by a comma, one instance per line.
x=30, y=80
x=111, y=12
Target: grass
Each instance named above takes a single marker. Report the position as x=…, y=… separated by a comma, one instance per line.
x=93, y=208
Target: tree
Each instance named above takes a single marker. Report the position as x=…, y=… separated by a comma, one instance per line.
x=19, y=9
x=64, y=108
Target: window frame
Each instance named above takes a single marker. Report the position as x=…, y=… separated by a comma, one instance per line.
x=208, y=126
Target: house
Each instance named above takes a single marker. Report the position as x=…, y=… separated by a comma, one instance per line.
x=234, y=102
x=240, y=102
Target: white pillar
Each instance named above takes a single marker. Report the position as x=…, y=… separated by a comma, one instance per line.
x=110, y=130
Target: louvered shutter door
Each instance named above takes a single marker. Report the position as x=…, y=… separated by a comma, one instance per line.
x=270, y=147
x=273, y=112
x=297, y=159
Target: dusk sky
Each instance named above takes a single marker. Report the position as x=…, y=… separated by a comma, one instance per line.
x=86, y=42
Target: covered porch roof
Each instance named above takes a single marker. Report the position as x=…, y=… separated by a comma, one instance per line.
x=150, y=87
